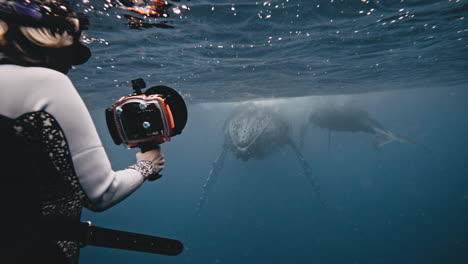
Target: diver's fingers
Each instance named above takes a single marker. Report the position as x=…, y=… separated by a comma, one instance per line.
x=158, y=159
x=159, y=168
x=158, y=165
x=159, y=162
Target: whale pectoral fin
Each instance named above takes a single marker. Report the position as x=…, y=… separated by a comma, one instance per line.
x=302, y=133
x=306, y=170
x=212, y=178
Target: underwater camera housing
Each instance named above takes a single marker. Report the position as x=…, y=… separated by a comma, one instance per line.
x=146, y=119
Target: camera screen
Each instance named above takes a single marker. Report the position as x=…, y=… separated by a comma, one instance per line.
x=140, y=123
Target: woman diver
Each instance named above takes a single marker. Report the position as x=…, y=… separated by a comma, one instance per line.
x=53, y=162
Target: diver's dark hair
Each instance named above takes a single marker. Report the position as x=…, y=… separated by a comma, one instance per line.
x=20, y=51
x=32, y=35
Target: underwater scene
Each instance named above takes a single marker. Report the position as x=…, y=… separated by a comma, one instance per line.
x=319, y=131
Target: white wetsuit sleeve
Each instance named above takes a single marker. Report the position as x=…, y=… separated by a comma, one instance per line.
x=103, y=186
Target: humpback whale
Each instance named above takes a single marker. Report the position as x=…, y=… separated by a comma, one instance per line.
x=348, y=118
x=253, y=132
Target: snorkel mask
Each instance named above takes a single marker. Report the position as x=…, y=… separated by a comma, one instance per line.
x=55, y=15
x=145, y=119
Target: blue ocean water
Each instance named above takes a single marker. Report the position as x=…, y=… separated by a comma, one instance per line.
x=404, y=62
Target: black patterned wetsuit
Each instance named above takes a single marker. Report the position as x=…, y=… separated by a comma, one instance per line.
x=52, y=163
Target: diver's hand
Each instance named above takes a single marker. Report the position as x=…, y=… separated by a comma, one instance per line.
x=155, y=156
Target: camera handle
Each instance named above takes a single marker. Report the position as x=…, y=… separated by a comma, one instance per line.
x=147, y=146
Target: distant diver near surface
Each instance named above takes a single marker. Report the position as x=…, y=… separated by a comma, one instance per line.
x=147, y=9
x=348, y=118
x=254, y=132
x=154, y=8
